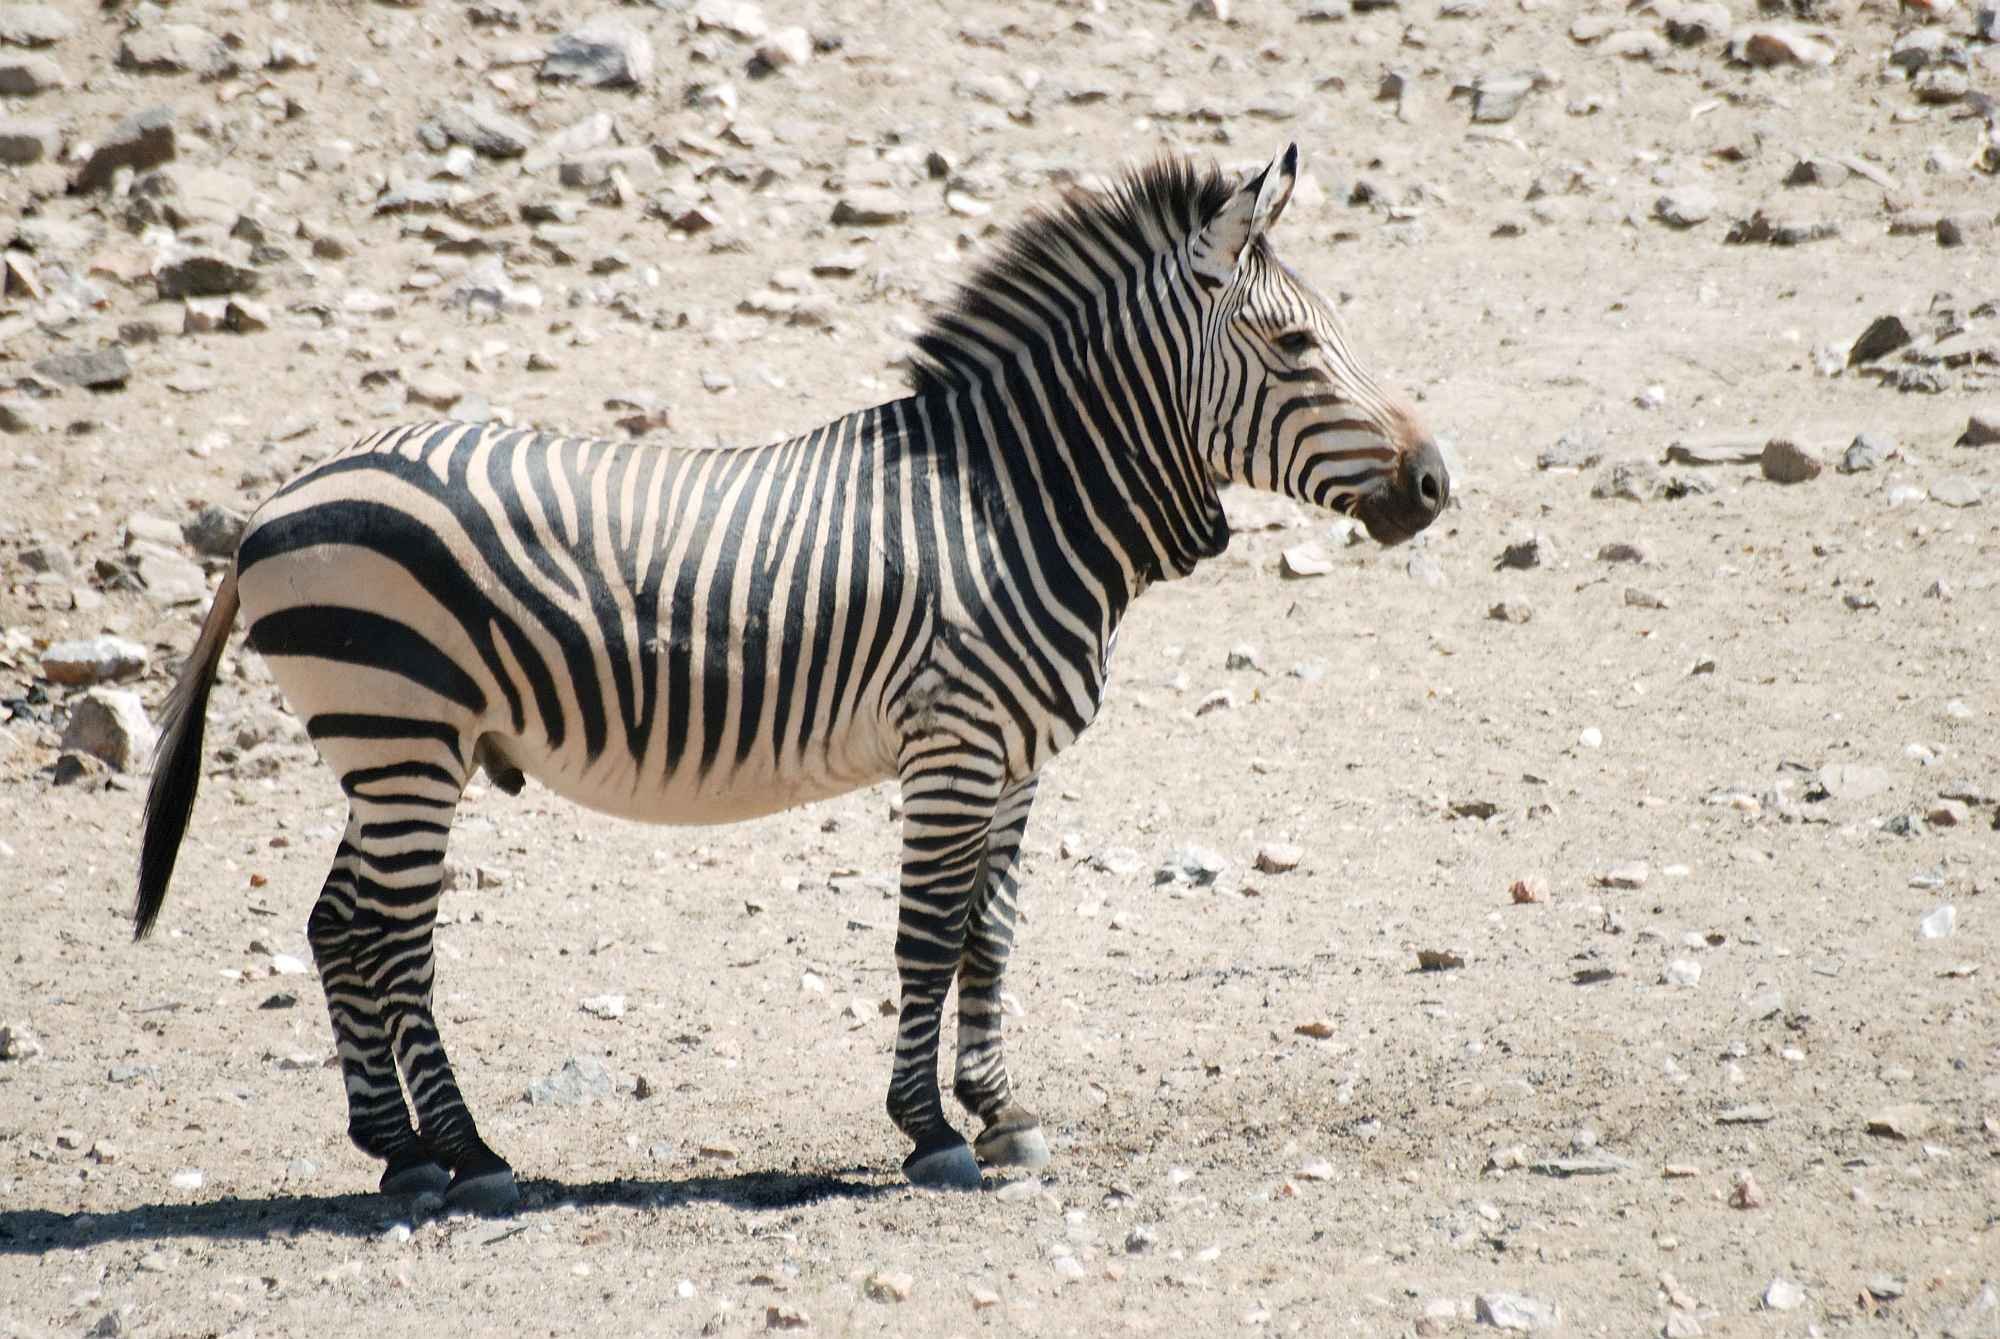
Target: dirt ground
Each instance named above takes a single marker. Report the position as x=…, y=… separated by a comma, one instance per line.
x=1746, y=1096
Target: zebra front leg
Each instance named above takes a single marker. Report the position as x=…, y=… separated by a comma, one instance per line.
x=1012, y=1136
x=399, y=846
x=949, y=797
x=377, y=1120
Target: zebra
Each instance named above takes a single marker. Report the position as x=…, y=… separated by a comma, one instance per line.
x=926, y=591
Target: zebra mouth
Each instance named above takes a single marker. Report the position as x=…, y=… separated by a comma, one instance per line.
x=1401, y=505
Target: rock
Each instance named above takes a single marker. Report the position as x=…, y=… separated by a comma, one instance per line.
x=1785, y=462
x=1722, y=451
x=1571, y=453
x=1941, y=814
x=867, y=208
x=1304, y=560
x=739, y=18
x=1191, y=866
x=97, y=660
x=24, y=142
x=214, y=531
x=1781, y=1294
x=1625, y=874
x=1278, y=858
x=1826, y=172
x=169, y=579
x=1496, y=98
x=1778, y=231
x=1511, y=611
x=110, y=724
x=1982, y=428
x=1957, y=490
x=1635, y=44
x=1516, y=1311
x=1940, y=86
x=1694, y=24
x=1684, y=973
x=583, y=1079
x=778, y=1317
x=482, y=128
x=35, y=25
x=175, y=48
x=104, y=369
x=1779, y=44
x=1685, y=207
x=18, y=1042
x=141, y=141
x=1424, y=569
x=603, y=53
x=1619, y=551
x=786, y=47
x=1681, y=1324
x=1853, y=781
x=188, y=1178
x=889, y=1285
x=1631, y=481
x=1906, y=1120
x=1865, y=452
x=608, y=1007
x=1884, y=335
x=26, y=76
x=205, y=274
x=1524, y=554
x=289, y=55
x=1938, y=923
x=1636, y=598
x=1745, y=1193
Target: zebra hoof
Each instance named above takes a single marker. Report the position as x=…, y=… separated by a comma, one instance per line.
x=416, y=1176
x=491, y=1194
x=950, y=1167
x=1007, y=1144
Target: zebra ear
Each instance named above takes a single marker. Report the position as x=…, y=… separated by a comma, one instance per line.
x=1246, y=215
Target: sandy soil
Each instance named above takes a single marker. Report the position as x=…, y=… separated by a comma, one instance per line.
x=1265, y=1116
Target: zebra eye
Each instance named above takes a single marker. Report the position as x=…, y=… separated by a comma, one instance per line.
x=1297, y=343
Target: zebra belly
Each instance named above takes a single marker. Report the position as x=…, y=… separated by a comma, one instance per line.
x=621, y=784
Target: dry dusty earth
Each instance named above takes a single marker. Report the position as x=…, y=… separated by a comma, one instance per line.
x=1748, y=1096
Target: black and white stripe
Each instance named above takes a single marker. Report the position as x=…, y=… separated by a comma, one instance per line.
x=926, y=590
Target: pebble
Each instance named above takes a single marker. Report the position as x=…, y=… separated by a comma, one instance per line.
x=786, y=1318
x=1683, y=973
x=1745, y=1193
x=1620, y=551
x=1191, y=866
x=1511, y=611
x=19, y=1042
x=1278, y=857
x=1865, y=452
x=1948, y=814
x=1785, y=462
x=188, y=1178
x=1907, y=1120
x=35, y=25
x=1681, y=1324
x=1884, y=335
x=480, y=127
x=1590, y=737
x=1781, y=1294
x=1222, y=699
x=110, y=724
x=1982, y=428
x=1626, y=874
x=1957, y=490
x=1425, y=570
x=583, y=1079
x=1685, y=207
x=1305, y=560
x=1516, y=1311
x=1636, y=598
x=206, y=274
x=603, y=53
x=100, y=369
x=889, y=1285
x=1938, y=923
x=869, y=208
x=93, y=661
x=738, y=18
x=175, y=48
x=1527, y=553
x=1778, y=44
x=24, y=142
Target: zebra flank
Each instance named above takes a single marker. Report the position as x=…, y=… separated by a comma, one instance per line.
x=925, y=591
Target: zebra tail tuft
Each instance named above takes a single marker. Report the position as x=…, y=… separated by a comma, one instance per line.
x=177, y=760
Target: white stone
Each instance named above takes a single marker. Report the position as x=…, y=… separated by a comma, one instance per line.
x=1939, y=923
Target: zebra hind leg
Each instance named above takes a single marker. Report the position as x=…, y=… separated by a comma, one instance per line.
x=1012, y=1136
x=377, y=1120
x=949, y=796
x=399, y=844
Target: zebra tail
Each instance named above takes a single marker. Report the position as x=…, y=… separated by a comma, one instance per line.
x=177, y=759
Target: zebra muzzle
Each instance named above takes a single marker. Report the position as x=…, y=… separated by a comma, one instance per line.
x=1408, y=499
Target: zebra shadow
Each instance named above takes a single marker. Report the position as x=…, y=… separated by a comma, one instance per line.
x=283, y=1217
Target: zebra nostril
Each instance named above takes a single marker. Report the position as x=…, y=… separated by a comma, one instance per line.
x=1427, y=488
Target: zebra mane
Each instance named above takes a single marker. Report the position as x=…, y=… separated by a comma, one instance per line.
x=1055, y=260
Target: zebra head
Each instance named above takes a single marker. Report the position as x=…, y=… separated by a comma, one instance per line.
x=1286, y=406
